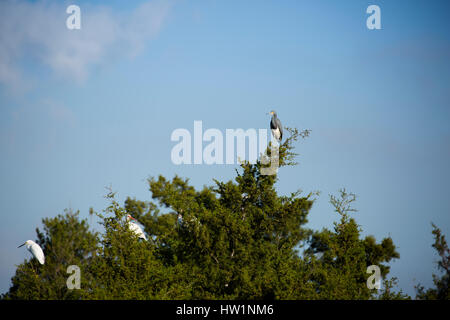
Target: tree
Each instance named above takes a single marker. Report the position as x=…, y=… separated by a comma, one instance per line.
x=388, y=294
x=125, y=267
x=442, y=284
x=65, y=241
x=339, y=259
x=234, y=240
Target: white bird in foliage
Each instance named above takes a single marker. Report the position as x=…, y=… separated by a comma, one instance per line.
x=134, y=227
x=35, y=250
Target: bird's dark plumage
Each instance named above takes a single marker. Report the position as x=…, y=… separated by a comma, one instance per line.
x=275, y=125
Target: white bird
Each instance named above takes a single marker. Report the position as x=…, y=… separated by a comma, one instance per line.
x=35, y=250
x=134, y=227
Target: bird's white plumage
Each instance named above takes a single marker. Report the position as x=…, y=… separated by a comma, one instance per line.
x=134, y=227
x=35, y=250
x=276, y=133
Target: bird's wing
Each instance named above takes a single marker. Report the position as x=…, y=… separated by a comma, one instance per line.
x=273, y=125
x=280, y=127
x=276, y=133
x=137, y=230
x=38, y=253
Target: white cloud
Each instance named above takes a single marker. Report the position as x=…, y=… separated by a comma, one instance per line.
x=37, y=32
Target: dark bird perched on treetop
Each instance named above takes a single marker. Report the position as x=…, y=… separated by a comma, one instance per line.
x=275, y=126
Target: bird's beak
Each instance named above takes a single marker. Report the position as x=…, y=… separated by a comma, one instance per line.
x=21, y=245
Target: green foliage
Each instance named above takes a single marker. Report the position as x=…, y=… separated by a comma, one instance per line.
x=339, y=258
x=388, y=294
x=65, y=241
x=234, y=240
x=125, y=267
x=442, y=284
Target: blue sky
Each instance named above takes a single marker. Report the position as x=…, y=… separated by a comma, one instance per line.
x=84, y=109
